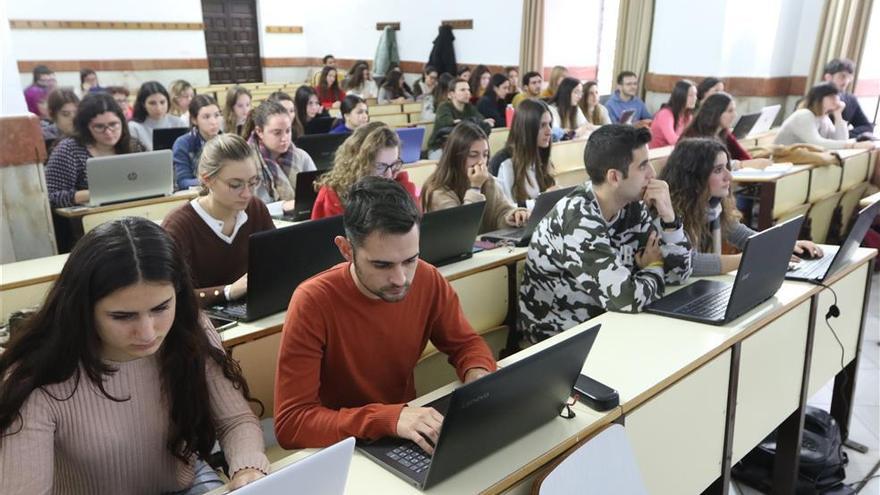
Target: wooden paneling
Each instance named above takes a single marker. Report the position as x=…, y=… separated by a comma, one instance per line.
x=232, y=40
x=146, y=25
x=115, y=65
x=284, y=29
x=737, y=86
x=380, y=26
x=459, y=23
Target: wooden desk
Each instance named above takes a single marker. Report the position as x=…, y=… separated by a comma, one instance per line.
x=868, y=200
x=420, y=171
x=777, y=194
x=24, y=284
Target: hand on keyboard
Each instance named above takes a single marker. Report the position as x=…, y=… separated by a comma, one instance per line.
x=421, y=425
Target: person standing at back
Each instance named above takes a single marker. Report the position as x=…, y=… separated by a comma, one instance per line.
x=625, y=97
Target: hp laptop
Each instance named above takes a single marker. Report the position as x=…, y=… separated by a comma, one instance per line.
x=761, y=271
x=411, y=143
x=487, y=414
x=818, y=269
x=321, y=147
x=120, y=178
x=744, y=124
x=163, y=139
x=322, y=473
x=765, y=121
x=447, y=236
x=522, y=235
x=278, y=261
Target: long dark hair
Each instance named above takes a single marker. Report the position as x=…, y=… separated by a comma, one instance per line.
x=442, y=89
x=300, y=102
x=259, y=117
x=356, y=75
x=687, y=172
x=496, y=81
x=677, y=103
x=522, y=145
x=594, y=116
x=450, y=173
x=707, y=121
x=474, y=81
x=92, y=105
x=705, y=85
x=148, y=89
x=59, y=342
x=813, y=100
x=328, y=91
x=562, y=100
x=393, y=84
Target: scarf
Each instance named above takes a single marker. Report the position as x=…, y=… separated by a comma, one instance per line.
x=713, y=218
x=277, y=185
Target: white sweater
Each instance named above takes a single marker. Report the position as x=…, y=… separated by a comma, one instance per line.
x=803, y=126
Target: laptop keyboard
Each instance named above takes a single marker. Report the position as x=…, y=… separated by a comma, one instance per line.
x=411, y=457
x=814, y=268
x=710, y=307
x=237, y=310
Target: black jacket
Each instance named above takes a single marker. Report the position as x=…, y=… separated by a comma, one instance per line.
x=443, y=54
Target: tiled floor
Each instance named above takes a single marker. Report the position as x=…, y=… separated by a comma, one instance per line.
x=865, y=424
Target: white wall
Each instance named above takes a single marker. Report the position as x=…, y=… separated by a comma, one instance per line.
x=571, y=33
x=12, y=98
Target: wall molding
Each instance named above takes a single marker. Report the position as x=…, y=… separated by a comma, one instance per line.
x=284, y=29
x=123, y=25
x=737, y=86
x=115, y=65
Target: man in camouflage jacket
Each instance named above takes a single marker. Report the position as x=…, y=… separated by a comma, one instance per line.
x=601, y=248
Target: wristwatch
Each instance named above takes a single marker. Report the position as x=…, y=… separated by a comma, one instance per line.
x=673, y=225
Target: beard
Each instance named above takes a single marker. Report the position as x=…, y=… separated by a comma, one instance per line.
x=388, y=293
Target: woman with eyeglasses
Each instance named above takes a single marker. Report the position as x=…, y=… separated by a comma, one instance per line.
x=373, y=149
x=212, y=231
x=100, y=131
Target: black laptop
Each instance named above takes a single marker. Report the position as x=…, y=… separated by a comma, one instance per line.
x=744, y=124
x=163, y=139
x=321, y=124
x=321, y=147
x=761, y=272
x=447, y=236
x=278, y=261
x=484, y=416
x=521, y=236
x=305, y=196
x=818, y=269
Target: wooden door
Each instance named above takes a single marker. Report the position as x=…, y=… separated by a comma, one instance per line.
x=232, y=41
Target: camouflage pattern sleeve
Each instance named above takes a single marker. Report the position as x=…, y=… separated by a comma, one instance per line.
x=676, y=249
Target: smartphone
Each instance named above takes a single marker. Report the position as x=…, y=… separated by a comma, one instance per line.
x=595, y=394
x=221, y=324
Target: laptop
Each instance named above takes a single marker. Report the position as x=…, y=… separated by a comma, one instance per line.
x=411, y=143
x=626, y=117
x=278, y=261
x=321, y=147
x=818, y=269
x=163, y=139
x=765, y=121
x=305, y=196
x=761, y=272
x=322, y=473
x=485, y=415
x=744, y=125
x=120, y=178
x=447, y=236
x=521, y=236
x=320, y=125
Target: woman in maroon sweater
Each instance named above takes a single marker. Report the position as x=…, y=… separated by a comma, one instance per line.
x=714, y=120
x=213, y=230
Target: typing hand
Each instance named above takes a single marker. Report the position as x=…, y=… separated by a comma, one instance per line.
x=518, y=217
x=418, y=424
x=475, y=374
x=243, y=477
x=239, y=288
x=651, y=253
x=808, y=247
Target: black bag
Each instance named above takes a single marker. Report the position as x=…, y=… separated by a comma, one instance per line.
x=821, y=465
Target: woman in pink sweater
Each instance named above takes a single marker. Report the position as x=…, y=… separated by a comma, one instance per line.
x=116, y=385
x=672, y=118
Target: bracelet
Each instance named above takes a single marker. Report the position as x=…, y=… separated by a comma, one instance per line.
x=656, y=264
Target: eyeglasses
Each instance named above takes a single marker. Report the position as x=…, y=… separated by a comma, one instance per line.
x=384, y=168
x=237, y=186
x=102, y=128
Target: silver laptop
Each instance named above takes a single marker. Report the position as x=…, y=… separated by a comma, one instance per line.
x=765, y=120
x=322, y=473
x=520, y=236
x=119, y=178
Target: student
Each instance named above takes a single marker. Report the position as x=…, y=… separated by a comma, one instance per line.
x=674, y=116
x=286, y=101
x=116, y=385
x=236, y=109
x=88, y=82
x=327, y=61
x=479, y=82
x=182, y=94
x=426, y=84
x=354, y=114
x=526, y=170
x=531, y=87
x=373, y=149
x=565, y=109
x=205, y=119
x=35, y=95
x=431, y=101
x=360, y=82
x=354, y=333
x=100, y=130
x=595, y=112
x=839, y=72
x=512, y=76
x=699, y=178
x=462, y=177
x=450, y=112
x=329, y=94
x=308, y=111
x=601, y=249
x=715, y=119
x=624, y=98
x=151, y=112
x=270, y=131
x=213, y=230
x=464, y=72
x=62, y=105
x=493, y=103
x=121, y=94
x=812, y=123
x=709, y=87
x=557, y=74
x=394, y=89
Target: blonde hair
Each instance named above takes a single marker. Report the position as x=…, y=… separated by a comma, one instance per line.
x=230, y=121
x=555, y=73
x=220, y=150
x=356, y=157
x=177, y=88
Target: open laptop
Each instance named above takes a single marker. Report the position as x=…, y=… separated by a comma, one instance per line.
x=521, y=236
x=163, y=139
x=447, y=236
x=278, y=261
x=322, y=473
x=320, y=125
x=120, y=178
x=818, y=269
x=765, y=121
x=305, y=196
x=411, y=143
x=745, y=123
x=626, y=117
x=485, y=415
x=321, y=147
x=761, y=272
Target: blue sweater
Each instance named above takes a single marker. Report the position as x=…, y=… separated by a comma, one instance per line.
x=617, y=106
x=186, y=152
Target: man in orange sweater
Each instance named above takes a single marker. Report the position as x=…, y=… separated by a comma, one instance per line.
x=354, y=333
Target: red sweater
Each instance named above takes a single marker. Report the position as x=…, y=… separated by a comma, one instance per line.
x=329, y=97
x=328, y=204
x=345, y=366
x=737, y=152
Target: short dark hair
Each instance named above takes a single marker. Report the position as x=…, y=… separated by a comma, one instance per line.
x=41, y=70
x=84, y=73
x=58, y=98
x=117, y=90
x=92, y=105
x=611, y=146
x=839, y=65
x=529, y=75
x=326, y=58
x=377, y=204
x=349, y=103
x=623, y=75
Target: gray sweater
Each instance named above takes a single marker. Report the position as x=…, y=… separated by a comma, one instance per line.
x=803, y=126
x=143, y=131
x=706, y=264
